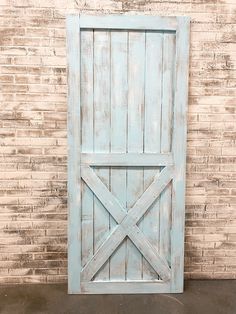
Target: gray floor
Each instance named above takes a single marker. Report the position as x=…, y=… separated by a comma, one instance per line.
x=200, y=297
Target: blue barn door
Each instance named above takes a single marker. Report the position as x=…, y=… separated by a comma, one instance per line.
x=127, y=101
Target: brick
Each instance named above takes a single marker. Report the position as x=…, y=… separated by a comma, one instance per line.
x=33, y=179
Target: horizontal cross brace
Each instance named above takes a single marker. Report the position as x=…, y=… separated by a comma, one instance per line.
x=126, y=159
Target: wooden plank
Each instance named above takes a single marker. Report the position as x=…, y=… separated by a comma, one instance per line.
x=119, y=90
x=179, y=151
x=153, y=85
x=103, y=194
x=74, y=199
x=101, y=134
x=152, y=137
x=129, y=22
x=103, y=253
x=130, y=159
x=155, y=260
x=166, y=138
x=128, y=287
x=136, y=62
x=86, y=139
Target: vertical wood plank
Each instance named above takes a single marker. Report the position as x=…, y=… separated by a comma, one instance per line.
x=119, y=88
x=136, y=63
x=152, y=135
x=179, y=153
x=74, y=197
x=101, y=134
x=166, y=137
x=87, y=139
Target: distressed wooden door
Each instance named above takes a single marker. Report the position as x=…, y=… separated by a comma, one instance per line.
x=127, y=78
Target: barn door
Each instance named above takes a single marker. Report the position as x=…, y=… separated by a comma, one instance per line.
x=127, y=99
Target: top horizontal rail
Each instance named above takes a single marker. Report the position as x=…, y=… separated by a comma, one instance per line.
x=136, y=22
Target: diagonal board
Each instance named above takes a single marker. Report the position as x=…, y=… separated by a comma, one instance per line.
x=130, y=174
x=127, y=222
x=109, y=201
x=152, y=256
x=113, y=241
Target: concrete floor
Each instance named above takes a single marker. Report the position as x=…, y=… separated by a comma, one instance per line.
x=200, y=297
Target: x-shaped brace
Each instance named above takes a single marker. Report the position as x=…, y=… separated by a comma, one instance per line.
x=126, y=223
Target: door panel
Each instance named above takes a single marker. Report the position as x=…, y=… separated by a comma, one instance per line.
x=127, y=140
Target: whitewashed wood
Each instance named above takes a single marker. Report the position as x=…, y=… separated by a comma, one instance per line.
x=110, y=120
x=152, y=137
x=103, y=194
x=153, y=257
x=127, y=159
x=128, y=287
x=151, y=193
x=136, y=63
x=128, y=22
x=179, y=145
x=86, y=139
x=140, y=206
x=74, y=199
x=101, y=134
x=166, y=137
x=103, y=253
x=119, y=90
x=128, y=223
x=110, y=244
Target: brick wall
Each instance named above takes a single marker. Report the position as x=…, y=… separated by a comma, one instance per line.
x=33, y=215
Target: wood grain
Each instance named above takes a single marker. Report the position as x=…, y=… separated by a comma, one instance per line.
x=101, y=134
x=74, y=197
x=86, y=95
